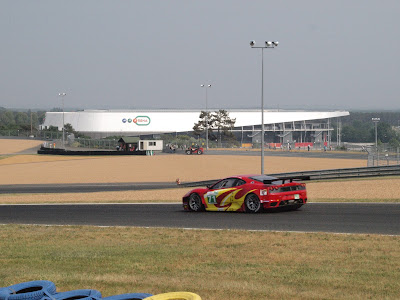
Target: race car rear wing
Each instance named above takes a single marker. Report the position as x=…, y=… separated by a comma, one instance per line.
x=287, y=178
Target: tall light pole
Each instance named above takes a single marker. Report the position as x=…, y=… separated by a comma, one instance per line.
x=376, y=120
x=207, y=87
x=268, y=44
x=62, y=95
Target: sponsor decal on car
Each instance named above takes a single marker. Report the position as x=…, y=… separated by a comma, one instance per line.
x=229, y=199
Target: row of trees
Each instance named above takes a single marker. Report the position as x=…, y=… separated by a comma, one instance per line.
x=364, y=132
x=20, y=120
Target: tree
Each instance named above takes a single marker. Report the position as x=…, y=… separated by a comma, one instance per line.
x=385, y=132
x=21, y=118
x=357, y=132
x=394, y=143
x=223, y=123
x=217, y=121
x=51, y=128
x=69, y=129
x=200, y=127
x=7, y=119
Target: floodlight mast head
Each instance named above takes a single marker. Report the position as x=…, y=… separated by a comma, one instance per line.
x=272, y=44
x=267, y=44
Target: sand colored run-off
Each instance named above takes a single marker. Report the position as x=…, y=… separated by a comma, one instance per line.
x=9, y=146
x=37, y=169
x=378, y=189
x=31, y=159
x=29, y=169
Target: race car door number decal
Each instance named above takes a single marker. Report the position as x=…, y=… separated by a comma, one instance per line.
x=211, y=199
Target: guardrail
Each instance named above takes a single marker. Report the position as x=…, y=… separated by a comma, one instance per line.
x=99, y=187
x=393, y=170
x=379, y=171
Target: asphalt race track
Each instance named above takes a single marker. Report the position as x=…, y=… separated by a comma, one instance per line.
x=370, y=218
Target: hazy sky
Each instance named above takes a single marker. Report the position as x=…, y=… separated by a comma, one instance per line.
x=124, y=54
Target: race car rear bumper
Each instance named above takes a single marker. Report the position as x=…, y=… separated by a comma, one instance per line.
x=282, y=203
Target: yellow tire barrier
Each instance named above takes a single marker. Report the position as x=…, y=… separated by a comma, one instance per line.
x=174, y=296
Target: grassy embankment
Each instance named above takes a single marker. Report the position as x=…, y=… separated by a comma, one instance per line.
x=214, y=264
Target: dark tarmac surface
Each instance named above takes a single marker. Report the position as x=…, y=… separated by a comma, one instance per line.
x=366, y=218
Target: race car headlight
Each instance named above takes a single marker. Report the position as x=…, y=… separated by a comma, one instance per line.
x=263, y=192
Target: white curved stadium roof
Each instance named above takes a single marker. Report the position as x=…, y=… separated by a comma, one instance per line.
x=157, y=121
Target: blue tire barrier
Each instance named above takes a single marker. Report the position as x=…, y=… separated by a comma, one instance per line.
x=31, y=290
x=74, y=295
x=132, y=296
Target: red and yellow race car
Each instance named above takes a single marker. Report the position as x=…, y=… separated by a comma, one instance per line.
x=248, y=193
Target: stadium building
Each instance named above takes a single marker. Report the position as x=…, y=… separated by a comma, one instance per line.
x=281, y=126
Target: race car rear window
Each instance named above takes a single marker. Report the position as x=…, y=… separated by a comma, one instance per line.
x=239, y=182
x=226, y=183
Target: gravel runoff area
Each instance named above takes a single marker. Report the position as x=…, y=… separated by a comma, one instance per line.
x=44, y=169
x=10, y=146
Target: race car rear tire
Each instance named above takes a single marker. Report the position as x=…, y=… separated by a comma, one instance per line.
x=188, y=152
x=199, y=152
x=195, y=203
x=252, y=203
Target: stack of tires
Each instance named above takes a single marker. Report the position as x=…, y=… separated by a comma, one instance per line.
x=46, y=290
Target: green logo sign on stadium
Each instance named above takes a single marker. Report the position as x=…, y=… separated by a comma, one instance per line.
x=141, y=120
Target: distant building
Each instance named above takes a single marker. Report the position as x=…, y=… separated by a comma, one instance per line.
x=281, y=126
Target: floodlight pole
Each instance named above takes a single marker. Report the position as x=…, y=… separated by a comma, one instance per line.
x=268, y=44
x=62, y=95
x=206, y=86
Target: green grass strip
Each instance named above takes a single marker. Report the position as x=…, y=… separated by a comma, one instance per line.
x=214, y=264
